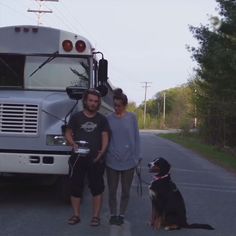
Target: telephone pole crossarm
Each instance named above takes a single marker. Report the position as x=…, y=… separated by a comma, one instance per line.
x=40, y=11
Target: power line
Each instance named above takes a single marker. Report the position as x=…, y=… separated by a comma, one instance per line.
x=14, y=10
x=78, y=23
x=59, y=15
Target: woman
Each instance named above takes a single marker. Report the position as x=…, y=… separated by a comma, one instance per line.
x=123, y=155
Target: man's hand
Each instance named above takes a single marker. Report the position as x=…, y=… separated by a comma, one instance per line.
x=74, y=146
x=98, y=158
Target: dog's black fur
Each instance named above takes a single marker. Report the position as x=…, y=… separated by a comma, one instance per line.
x=168, y=207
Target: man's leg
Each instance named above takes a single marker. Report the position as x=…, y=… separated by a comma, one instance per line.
x=96, y=184
x=75, y=202
x=76, y=177
x=75, y=218
x=97, y=205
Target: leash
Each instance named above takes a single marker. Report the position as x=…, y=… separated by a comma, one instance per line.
x=138, y=171
x=72, y=166
x=139, y=180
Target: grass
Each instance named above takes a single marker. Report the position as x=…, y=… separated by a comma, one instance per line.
x=212, y=153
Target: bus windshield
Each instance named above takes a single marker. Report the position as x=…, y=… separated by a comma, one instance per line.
x=57, y=74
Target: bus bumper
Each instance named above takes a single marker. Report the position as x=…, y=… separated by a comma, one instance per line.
x=33, y=163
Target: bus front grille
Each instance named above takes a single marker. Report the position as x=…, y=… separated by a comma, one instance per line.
x=19, y=119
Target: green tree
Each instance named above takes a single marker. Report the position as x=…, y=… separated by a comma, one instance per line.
x=178, y=109
x=138, y=111
x=178, y=106
x=132, y=107
x=215, y=84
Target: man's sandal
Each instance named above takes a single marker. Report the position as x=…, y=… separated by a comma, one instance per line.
x=74, y=220
x=95, y=221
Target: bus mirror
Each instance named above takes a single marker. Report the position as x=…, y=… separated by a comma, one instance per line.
x=75, y=92
x=102, y=70
x=103, y=90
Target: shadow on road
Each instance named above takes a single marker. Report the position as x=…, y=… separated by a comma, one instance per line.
x=30, y=191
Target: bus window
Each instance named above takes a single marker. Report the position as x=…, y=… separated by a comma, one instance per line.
x=11, y=70
x=58, y=74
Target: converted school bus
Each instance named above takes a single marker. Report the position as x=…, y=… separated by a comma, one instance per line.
x=43, y=73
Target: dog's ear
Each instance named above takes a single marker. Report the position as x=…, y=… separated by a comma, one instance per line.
x=164, y=166
x=156, y=160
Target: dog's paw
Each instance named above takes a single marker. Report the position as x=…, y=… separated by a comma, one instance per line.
x=150, y=223
x=155, y=224
x=171, y=227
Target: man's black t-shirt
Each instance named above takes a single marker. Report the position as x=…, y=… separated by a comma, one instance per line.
x=89, y=129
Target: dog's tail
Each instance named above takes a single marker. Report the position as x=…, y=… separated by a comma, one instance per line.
x=198, y=226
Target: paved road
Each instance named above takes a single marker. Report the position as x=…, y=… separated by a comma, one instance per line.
x=208, y=190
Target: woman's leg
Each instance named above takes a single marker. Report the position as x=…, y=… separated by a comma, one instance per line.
x=126, y=181
x=112, y=182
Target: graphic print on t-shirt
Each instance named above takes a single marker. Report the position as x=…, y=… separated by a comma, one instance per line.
x=88, y=126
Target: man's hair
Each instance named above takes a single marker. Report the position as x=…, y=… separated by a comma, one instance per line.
x=93, y=92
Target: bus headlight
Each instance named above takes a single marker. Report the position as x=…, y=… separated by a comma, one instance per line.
x=57, y=140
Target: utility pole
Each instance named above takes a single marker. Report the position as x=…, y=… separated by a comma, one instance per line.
x=195, y=110
x=164, y=106
x=40, y=11
x=145, y=101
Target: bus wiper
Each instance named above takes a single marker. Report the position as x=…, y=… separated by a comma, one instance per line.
x=9, y=67
x=81, y=76
x=45, y=62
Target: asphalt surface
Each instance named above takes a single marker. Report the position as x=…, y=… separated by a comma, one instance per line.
x=209, y=192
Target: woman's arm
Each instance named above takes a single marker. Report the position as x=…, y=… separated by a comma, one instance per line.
x=136, y=140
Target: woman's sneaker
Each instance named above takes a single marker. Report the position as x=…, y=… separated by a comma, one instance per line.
x=113, y=220
x=120, y=220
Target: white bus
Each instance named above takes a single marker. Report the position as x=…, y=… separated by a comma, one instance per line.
x=43, y=72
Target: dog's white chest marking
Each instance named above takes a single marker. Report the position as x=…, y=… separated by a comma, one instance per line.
x=152, y=194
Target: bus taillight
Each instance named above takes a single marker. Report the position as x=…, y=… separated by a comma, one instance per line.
x=80, y=46
x=67, y=45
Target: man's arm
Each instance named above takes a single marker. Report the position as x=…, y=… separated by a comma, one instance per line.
x=105, y=142
x=69, y=138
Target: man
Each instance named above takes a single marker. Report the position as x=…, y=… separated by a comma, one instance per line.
x=92, y=127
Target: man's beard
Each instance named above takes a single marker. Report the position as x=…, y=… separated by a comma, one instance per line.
x=91, y=108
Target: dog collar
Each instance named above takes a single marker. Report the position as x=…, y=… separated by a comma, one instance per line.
x=161, y=177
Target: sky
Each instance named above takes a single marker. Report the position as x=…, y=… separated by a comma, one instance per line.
x=143, y=40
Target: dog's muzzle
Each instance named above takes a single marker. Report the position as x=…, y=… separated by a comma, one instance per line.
x=151, y=164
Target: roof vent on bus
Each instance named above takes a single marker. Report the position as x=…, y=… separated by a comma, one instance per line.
x=80, y=45
x=67, y=45
x=17, y=29
x=35, y=30
x=26, y=30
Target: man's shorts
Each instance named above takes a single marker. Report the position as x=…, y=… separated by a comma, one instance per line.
x=79, y=169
